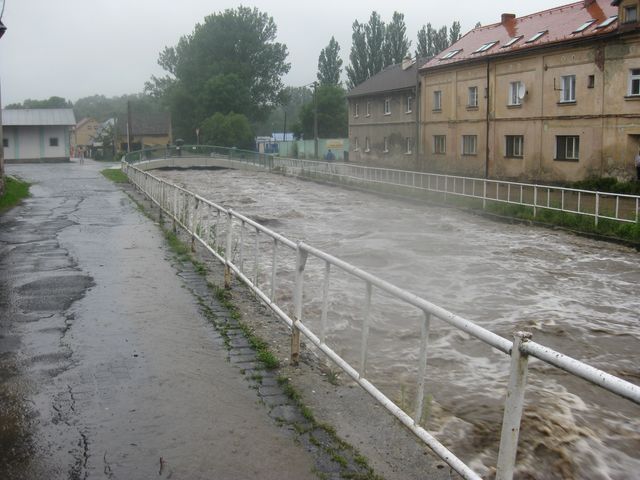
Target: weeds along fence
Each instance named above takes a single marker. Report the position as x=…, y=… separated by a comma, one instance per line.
x=598, y=206
x=275, y=269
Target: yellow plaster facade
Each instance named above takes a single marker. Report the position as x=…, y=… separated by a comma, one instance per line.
x=575, y=116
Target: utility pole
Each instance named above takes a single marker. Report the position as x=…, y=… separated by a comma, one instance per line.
x=315, y=118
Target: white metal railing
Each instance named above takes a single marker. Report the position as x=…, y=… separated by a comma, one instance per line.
x=597, y=205
x=246, y=248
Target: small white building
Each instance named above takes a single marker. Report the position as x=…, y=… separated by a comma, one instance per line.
x=37, y=135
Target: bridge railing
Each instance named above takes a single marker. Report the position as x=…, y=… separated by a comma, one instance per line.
x=268, y=263
x=199, y=151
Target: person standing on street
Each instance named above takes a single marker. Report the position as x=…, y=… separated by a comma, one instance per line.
x=638, y=166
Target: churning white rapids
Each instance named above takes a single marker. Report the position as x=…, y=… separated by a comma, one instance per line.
x=578, y=296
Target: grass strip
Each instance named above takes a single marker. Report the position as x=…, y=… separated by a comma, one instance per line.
x=15, y=191
x=115, y=175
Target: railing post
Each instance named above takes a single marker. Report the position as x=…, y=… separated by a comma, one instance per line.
x=301, y=260
x=160, y=216
x=535, y=199
x=194, y=227
x=484, y=194
x=597, y=207
x=364, y=349
x=513, y=409
x=422, y=367
x=227, y=252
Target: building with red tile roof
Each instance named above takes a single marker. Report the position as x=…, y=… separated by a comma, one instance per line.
x=553, y=96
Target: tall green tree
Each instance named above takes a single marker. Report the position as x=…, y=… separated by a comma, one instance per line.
x=358, y=71
x=454, y=32
x=396, y=45
x=234, y=50
x=431, y=41
x=440, y=40
x=330, y=64
x=332, y=115
x=375, y=35
x=423, y=45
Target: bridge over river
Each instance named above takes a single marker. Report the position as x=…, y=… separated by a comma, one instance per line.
x=576, y=295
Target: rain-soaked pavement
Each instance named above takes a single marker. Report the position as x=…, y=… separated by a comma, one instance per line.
x=108, y=368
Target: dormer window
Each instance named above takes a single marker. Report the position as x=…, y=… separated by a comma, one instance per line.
x=485, y=47
x=584, y=26
x=536, y=36
x=512, y=41
x=607, y=22
x=451, y=54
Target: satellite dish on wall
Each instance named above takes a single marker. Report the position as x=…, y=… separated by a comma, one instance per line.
x=522, y=91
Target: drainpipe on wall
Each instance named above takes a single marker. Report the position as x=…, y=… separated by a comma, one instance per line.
x=486, y=158
x=419, y=165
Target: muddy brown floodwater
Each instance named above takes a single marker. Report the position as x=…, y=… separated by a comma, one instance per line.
x=576, y=295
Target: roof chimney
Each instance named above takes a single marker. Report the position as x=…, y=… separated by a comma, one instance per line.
x=507, y=17
x=406, y=62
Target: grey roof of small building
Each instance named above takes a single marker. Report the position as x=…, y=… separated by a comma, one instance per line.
x=146, y=124
x=38, y=117
x=391, y=78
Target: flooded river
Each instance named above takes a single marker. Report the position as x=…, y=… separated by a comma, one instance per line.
x=576, y=295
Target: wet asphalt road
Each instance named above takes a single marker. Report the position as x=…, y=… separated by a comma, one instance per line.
x=108, y=369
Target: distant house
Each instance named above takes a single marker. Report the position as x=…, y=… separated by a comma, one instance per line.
x=383, y=114
x=145, y=130
x=550, y=96
x=84, y=133
x=37, y=135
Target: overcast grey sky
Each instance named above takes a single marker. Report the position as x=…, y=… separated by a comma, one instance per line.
x=76, y=48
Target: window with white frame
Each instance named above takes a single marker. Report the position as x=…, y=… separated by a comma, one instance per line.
x=439, y=144
x=567, y=147
x=634, y=82
x=514, y=93
x=366, y=144
x=386, y=145
x=5, y=142
x=437, y=100
x=356, y=110
x=567, y=88
x=409, y=104
x=409, y=141
x=387, y=106
x=472, y=100
x=356, y=146
x=514, y=146
x=469, y=144
x=368, y=109
x=53, y=142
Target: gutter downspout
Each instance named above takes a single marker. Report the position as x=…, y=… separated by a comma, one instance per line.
x=419, y=165
x=486, y=158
